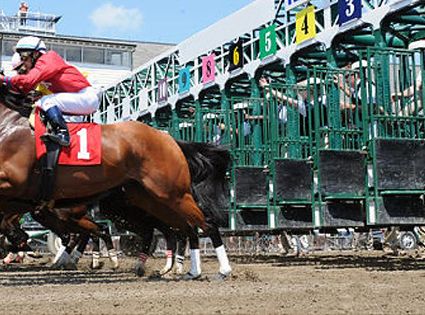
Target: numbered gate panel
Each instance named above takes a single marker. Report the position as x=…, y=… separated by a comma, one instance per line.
x=400, y=164
x=251, y=219
x=187, y=129
x=342, y=174
x=295, y=216
x=338, y=116
x=215, y=127
x=400, y=210
x=293, y=180
x=289, y=120
x=250, y=186
x=347, y=213
x=393, y=77
x=250, y=132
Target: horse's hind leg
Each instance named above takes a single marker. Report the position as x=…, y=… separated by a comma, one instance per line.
x=220, y=251
x=171, y=239
x=195, y=257
x=180, y=253
x=105, y=235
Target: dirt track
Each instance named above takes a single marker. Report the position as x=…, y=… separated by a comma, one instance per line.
x=335, y=283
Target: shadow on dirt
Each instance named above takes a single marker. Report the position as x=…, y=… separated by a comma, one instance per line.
x=39, y=275
x=339, y=261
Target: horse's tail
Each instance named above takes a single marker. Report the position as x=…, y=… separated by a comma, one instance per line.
x=208, y=165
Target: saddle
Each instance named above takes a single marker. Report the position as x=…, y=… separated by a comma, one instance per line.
x=85, y=148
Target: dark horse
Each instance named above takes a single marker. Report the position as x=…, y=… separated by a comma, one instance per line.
x=147, y=164
x=208, y=165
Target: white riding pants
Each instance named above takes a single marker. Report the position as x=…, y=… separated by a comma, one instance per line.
x=84, y=102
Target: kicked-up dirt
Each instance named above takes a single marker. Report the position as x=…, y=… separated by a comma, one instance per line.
x=324, y=283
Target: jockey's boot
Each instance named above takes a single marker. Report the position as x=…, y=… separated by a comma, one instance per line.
x=60, y=134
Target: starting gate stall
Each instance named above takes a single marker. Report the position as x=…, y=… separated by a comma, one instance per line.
x=291, y=165
x=339, y=156
x=250, y=174
x=396, y=170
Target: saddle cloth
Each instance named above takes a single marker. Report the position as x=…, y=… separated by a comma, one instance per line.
x=85, y=148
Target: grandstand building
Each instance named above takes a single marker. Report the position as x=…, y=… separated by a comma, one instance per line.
x=104, y=61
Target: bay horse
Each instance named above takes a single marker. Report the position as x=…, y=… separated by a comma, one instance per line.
x=147, y=163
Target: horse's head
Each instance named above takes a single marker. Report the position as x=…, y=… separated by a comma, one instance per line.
x=18, y=102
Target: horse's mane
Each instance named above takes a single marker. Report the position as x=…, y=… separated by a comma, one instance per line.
x=19, y=103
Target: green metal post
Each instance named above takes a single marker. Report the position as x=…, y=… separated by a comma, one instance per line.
x=225, y=108
x=256, y=128
x=175, y=130
x=292, y=125
x=198, y=121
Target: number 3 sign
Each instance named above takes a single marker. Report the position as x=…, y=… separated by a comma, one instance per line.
x=349, y=10
x=305, y=25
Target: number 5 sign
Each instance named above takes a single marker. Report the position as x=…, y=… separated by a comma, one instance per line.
x=349, y=10
x=208, y=69
x=305, y=25
x=268, y=41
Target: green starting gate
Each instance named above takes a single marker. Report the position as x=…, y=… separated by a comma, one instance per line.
x=396, y=125
x=290, y=143
x=339, y=149
x=250, y=173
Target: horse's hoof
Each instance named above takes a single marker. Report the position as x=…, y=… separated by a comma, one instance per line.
x=139, y=270
x=70, y=266
x=164, y=271
x=57, y=266
x=97, y=266
x=189, y=276
x=222, y=276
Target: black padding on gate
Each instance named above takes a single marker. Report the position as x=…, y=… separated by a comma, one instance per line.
x=342, y=172
x=344, y=214
x=293, y=179
x=252, y=217
x=251, y=185
x=400, y=164
x=404, y=209
x=295, y=216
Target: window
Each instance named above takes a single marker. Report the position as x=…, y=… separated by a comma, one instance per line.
x=93, y=55
x=59, y=49
x=8, y=47
x=73, y=54
x=114, y=58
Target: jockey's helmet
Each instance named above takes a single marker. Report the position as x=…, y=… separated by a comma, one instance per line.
x=30, y=43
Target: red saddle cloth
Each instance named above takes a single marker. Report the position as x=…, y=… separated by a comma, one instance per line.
x=85, y=148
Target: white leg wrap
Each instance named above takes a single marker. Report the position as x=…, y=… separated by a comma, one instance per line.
x=195, y=262
x=95, y=260
x=168, y=263
x=179, y=264
x=113, y=257
x=59, y=253
x=63, y=259
x=75, y=256
x=225, y=268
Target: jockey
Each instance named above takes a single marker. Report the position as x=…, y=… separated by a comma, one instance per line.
x=71, y=92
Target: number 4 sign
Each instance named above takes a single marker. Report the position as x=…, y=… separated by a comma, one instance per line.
x=349, y=10
x=305, y=25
